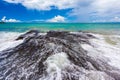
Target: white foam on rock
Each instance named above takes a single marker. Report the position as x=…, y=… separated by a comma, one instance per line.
x=59, y=61
x=99, y=48
x=7, y=40
x=55, y=64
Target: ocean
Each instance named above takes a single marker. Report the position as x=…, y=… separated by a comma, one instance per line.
x=94, y=27
x=17, y=61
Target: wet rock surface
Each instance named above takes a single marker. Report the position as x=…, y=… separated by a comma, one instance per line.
x=37, y=58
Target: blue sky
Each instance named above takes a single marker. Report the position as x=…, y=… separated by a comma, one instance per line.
x=60, y=11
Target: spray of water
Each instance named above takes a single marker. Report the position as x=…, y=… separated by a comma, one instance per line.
x=59, y=56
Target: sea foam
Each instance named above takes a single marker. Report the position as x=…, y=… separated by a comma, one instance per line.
x=7, y=40
x=51, y=57
x=99, y=48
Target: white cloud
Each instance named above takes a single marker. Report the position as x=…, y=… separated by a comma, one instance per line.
x=115, y=19
x=3, y=19
x=12, y=20
x=97, y=9
x=57, y=18
x=106, y=7
x=84, y=9
x=9, y=20
x=45, y=4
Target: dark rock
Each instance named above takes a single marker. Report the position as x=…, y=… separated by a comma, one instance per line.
x=114, y=74
x=57, y=33
x=27, y=60
x=29, y=33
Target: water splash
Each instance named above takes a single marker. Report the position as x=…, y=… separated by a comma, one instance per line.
x=59, y=56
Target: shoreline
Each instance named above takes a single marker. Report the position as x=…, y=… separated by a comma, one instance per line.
x=108, y=37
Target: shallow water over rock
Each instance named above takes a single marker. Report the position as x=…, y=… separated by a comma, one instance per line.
x=57, y=55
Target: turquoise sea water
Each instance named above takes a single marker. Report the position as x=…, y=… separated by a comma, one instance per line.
x=21, y=27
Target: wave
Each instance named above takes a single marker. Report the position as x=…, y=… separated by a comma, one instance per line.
x=7, y=40
x=107, y=50
x=59, y=55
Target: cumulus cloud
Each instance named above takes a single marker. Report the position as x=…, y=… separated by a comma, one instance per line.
x=12, y=20
x=102, y=10
x=57, y=18
x=82, y=9
x=9, y=20
x=103, y=6
x=45, y=4
x=116, y=19
x=3, y=19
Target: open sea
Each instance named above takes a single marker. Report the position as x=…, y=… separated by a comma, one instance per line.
x=93, y=27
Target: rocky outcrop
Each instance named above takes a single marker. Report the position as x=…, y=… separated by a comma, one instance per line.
x=29, y=33
x=58, y=55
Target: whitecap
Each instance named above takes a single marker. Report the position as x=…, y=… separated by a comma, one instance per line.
x=100, y=49
x=7, y=40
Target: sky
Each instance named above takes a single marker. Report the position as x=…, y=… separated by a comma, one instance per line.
x=60, y=10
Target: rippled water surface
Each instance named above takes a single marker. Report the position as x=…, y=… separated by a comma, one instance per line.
x=95, y=27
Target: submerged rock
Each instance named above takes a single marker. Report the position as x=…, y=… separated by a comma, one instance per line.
x=58, y=55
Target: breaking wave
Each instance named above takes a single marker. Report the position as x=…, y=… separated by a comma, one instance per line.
x=59, y=55
x=7, y=40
